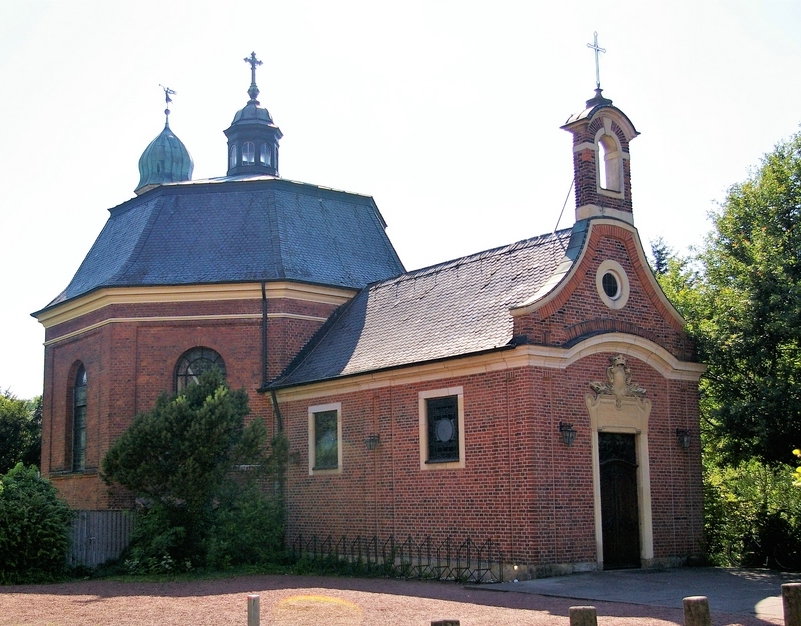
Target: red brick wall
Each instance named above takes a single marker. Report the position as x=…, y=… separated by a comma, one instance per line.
x=578, y=311
x=521, y=486
x=130, y=363
x=585, y=168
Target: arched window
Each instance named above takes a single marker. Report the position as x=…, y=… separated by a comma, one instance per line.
x=232, y=158
x=610, y=165
x=265, y=156
x=193, y=363
x=79, y=421
x=248, y=153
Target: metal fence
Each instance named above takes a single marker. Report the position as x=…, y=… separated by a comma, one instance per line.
x=98, y=536
x=467, y=561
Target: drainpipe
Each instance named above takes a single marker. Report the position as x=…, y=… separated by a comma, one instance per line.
x=279, y=422
x=263, y=335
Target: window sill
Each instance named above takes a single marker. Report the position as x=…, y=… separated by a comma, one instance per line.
x=89, y=471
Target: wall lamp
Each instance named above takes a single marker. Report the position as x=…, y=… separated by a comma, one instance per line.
x=372, y=440
x=683, y=438
x=568, y=433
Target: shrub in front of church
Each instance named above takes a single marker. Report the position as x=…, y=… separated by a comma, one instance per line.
x=34, y=528
x=197, y=471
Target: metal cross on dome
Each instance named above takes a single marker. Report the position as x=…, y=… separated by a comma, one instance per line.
x=598, y=50
x=254, y=63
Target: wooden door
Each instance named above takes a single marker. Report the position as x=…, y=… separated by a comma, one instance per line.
x=620, y=515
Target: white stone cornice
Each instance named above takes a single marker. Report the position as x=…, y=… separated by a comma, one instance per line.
x=58, y=314
x=182, y=318
x=522, y=356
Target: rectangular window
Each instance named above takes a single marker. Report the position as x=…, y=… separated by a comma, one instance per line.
x=441, y=429
x=326, y=448
x=325, y=436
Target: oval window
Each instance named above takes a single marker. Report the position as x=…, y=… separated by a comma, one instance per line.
x=611, y=285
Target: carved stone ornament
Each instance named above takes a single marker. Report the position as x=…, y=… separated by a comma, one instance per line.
x=618, y=383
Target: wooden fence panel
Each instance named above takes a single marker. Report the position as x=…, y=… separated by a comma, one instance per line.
x=98, y=536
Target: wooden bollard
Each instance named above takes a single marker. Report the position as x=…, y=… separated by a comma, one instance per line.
x=791, y=600
x=253, y=610
x=696, y=611
x=583, y=616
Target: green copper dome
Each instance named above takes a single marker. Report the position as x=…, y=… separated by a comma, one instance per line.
x=165, y=160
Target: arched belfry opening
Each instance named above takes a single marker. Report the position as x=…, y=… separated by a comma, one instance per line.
x=610, y=163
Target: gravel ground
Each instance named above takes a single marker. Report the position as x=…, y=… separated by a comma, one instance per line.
x=309, y=600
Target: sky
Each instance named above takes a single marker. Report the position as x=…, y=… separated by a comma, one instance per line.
x=447, y=113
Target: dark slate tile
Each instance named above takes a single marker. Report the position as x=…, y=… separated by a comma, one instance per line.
x=446, y=310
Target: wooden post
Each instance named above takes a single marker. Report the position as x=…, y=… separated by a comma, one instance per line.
x=253, y=610
x=696, y=611
x=791, y=599
x=583, y=616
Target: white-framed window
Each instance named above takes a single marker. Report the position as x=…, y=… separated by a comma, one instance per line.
x=609, y=159
x=441, y=428
x=325, y=438
x=232, y=156
x=248, y=153
x=612, y=284
x=265, y=155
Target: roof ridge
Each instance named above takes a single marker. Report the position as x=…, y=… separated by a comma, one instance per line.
x=474, y=257
x=144, y=235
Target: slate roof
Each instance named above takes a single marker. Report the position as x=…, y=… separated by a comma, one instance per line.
x=239, y=229
x=447, y=310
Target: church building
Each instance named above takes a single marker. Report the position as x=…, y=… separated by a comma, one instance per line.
x=542, y=395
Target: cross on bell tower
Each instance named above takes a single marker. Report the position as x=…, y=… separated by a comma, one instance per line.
x=594, y=45
x=252, y=136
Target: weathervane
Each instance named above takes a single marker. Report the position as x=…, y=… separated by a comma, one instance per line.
x=253, y=92
x=594, y=46
x=167, y=93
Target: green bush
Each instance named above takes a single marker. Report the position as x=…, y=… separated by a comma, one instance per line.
x=200, y=471
x=751, y=510
x=247, y=529
x=34, y=528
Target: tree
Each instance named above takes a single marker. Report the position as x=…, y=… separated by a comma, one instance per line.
x=181, y=459
x=20, y=431
x=660, y=255
x=743, y=307
x=34, y=528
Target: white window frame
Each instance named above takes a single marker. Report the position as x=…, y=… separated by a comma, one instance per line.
x=248, y=153
x=622, y=297
x=320, y=408
x=609, y=176
x=423, y=416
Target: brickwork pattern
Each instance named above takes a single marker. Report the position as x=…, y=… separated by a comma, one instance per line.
x=585, y=167
x=130, y=363
x=521, y=486
x=578, y=311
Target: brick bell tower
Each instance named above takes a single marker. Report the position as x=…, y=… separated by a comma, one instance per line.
x=601, y=168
